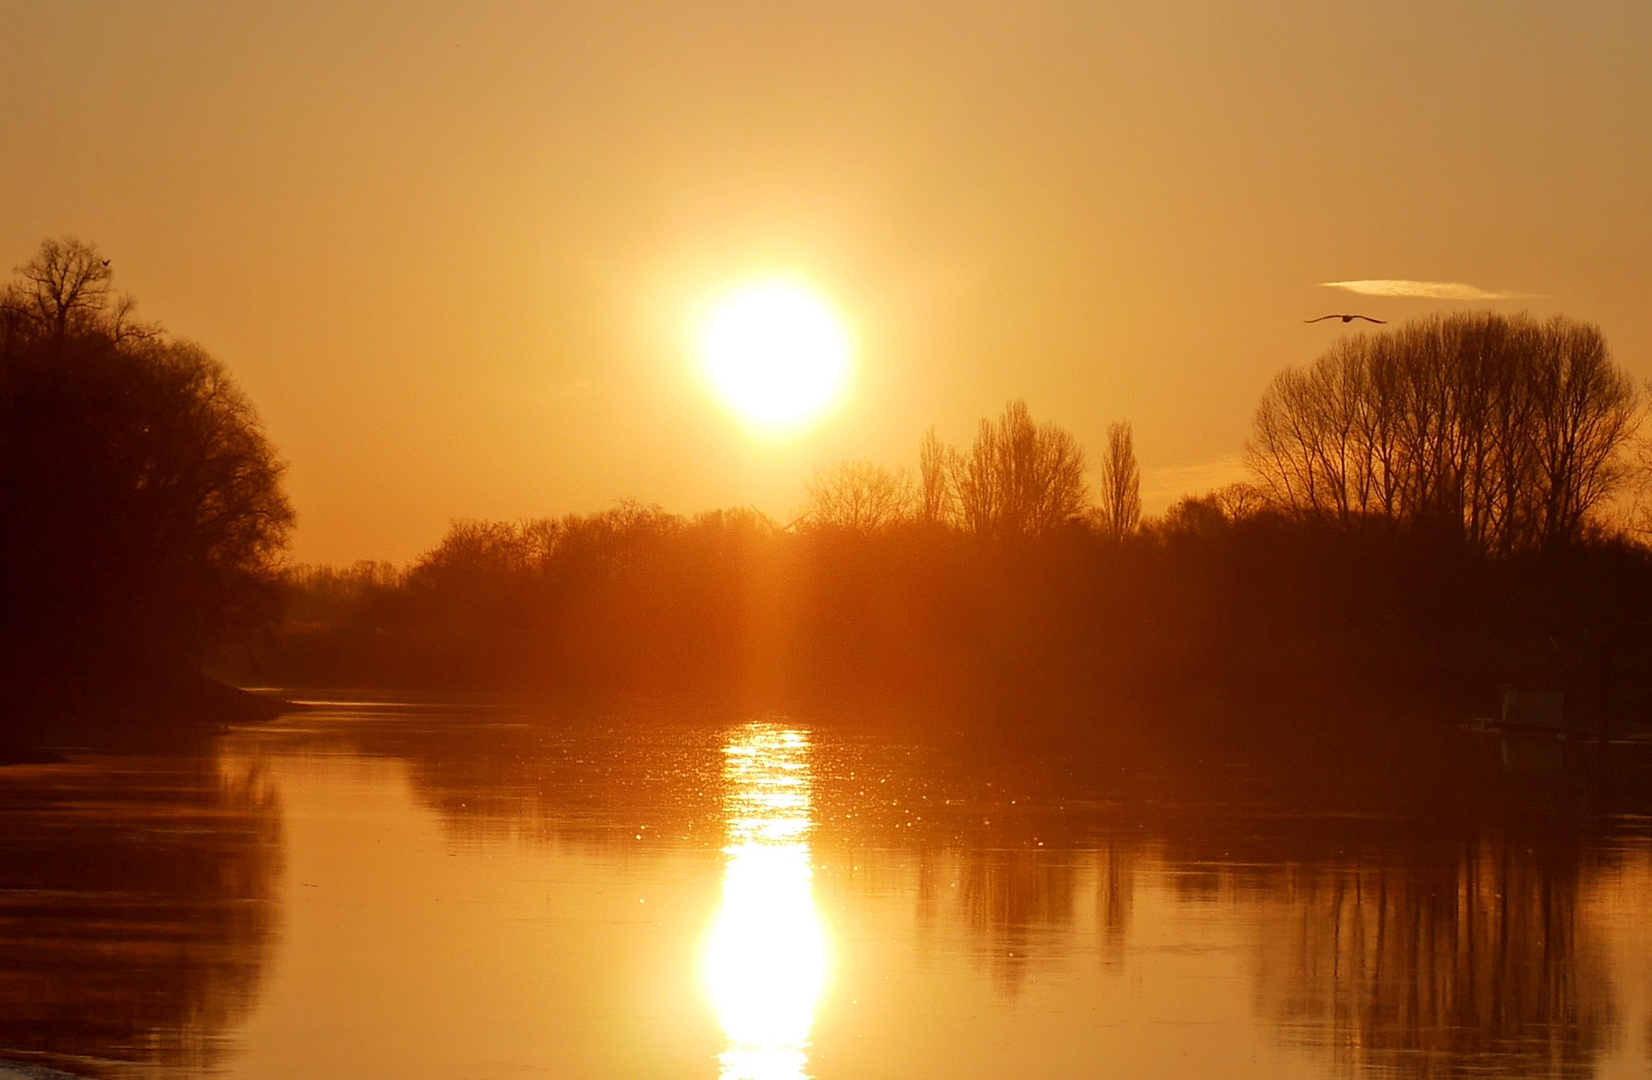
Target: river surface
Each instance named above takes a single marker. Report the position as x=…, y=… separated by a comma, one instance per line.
x=469, y=892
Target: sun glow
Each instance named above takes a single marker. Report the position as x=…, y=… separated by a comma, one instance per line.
x=766, y=962
x=777, y=354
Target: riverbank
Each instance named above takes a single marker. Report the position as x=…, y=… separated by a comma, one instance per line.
x=19, y=1070
x=39, y=727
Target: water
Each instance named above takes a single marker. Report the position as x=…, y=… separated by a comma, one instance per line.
x=433, y=891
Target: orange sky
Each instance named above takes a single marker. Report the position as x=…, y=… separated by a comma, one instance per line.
x=452, y=251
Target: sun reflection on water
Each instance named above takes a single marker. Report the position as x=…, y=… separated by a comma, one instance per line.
x=766, y=962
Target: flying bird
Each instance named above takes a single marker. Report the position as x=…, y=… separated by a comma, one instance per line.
x=1345, y=318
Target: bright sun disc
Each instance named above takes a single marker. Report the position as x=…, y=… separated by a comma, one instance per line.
x=776, y=354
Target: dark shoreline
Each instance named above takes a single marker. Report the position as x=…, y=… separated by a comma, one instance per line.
x=23, y=1070
x=40, y=728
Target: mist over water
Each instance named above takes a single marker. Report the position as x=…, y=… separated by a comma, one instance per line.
x=430, y=890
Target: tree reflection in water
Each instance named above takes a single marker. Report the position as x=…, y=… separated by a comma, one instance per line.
x=1484, y=965
x=137, y=909
x=766, y=960
x=1420, y=932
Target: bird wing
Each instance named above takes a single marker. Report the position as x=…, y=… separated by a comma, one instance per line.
x=1322, y=318
x=1368, y=318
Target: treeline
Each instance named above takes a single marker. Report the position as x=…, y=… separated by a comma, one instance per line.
x=1440, y=565
x=1427, y=520
x=1258, y=605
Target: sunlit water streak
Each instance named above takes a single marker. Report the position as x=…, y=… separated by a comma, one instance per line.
x=766, y=963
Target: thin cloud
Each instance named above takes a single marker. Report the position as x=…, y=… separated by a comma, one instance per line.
x=1166, y=484
x=1428, y=290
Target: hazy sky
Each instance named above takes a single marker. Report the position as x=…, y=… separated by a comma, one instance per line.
x=453, y=251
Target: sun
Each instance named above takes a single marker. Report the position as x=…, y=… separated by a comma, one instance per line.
x=777, y=354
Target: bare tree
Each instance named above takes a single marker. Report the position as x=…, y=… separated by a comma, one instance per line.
x=1120, y=484
x=1020, y=478
x=1240, y=501
x=860, y=496
x=937, y=468
x=62, y=290
x=1507, y=431
x=976, y=480
x=1587, y=410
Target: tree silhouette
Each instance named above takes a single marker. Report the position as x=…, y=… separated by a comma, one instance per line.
x=937, y=501
x=1505, y=431
x=141, y=509
x=1018, y=479
x=859, y=496
x=1120, y=484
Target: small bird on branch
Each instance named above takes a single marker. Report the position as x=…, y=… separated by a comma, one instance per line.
x=1345, y=318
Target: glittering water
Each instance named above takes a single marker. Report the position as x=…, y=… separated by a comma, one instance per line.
x=432, y=891
x=767, y=957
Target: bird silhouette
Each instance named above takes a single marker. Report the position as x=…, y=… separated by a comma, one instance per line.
x=1345, y=318
x=105, y=262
